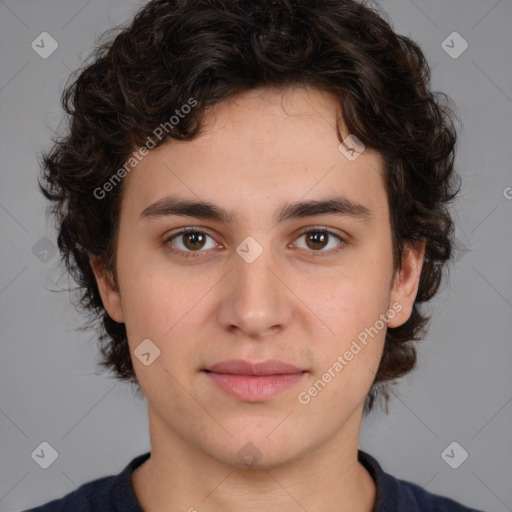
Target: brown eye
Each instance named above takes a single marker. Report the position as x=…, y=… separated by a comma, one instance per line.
x=193, y=240
x=190, y=241
x=317, y=240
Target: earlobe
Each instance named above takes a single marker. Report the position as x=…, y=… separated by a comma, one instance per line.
x=110, y=295
x=405, y=287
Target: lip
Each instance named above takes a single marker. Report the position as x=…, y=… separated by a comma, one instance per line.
x=254, y=382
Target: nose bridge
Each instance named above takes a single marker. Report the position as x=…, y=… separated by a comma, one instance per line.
x=254, y=275
x=257, y=300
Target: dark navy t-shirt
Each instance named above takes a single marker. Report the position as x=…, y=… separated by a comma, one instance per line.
x=116, y=494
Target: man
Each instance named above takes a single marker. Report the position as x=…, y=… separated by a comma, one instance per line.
x=254, y=199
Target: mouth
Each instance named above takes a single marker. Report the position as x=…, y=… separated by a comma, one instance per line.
x=254, y=382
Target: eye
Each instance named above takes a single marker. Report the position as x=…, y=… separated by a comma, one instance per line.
x=192, y=242
x=189, y=241
x=321, y=240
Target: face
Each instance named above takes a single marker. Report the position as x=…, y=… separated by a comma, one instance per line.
x=307, y=290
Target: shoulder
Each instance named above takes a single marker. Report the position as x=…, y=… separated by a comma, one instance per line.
x=414, y=495
x=87, y=497
x=107, y=494
x=395, y=495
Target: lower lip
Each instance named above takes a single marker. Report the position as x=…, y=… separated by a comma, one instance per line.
x=254, y=388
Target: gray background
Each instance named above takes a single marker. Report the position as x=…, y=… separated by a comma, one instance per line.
x=50, y=389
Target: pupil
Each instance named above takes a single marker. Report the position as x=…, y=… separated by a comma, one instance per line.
x=317, y=237
x=193, y=239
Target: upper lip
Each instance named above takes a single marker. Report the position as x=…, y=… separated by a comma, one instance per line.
x=242, y=367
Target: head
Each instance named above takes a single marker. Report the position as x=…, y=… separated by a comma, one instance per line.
x=248, y=107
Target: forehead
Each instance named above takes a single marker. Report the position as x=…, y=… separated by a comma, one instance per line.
x=262, y=148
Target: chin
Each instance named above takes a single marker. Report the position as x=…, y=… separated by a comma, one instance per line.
x=258, y=451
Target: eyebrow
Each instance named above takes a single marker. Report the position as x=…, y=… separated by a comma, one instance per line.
x=175, y=206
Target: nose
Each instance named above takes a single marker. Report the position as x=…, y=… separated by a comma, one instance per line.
x=256, y=301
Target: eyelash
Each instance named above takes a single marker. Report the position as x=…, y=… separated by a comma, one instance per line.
x=197, y=254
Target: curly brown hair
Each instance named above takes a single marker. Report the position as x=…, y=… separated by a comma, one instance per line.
x=211, y=50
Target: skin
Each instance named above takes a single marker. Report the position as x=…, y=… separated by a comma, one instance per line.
x=294, y=302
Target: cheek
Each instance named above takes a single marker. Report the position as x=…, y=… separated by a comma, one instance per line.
x=354, y=301
x=147, y=305
x=348, y=361
x=161, y=304
x=155, y=309
x=154, y=295
x=355, y=310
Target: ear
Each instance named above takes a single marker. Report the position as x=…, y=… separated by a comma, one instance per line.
x=405, y=286
x=110, y=295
